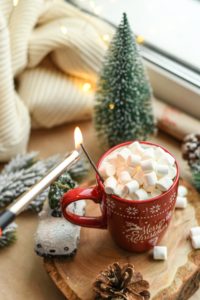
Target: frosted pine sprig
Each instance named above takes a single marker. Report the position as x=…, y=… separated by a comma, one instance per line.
x=8, y=236
x=12, y=185
x=21, y=161
x=15, y=181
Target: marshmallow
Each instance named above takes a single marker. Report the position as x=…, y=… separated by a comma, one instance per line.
x=160, y=253
x=159, y=152
x=134, y=160
x=139, y=176
x=150, y=178
x=110, y=185
x=167, y=159
x=172, y=172
x=132, y=171
x=149, y=195
x=107, y=169
x=194, y=231
x=140, y=194
x=124, y=177
x=147, y=165
x=131, y=187
x=148, y=188
x=161, y=170
x=124, y=154
x=119, y=190
x=148, y=153
x=129, y=197
x=196, y=242
x=112, y=158
x=136, y=148
x=164, y=183
x=155, y=193
x=182, y=191
x=181, y=202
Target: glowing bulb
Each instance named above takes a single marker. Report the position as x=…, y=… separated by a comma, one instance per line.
x=140, y=39
x=86, y=86
x=106, y=37
x=63, y=29
x=111, y=106
x=15, y=2
x=78, y=138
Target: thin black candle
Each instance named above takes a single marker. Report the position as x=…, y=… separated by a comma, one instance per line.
x=91, y=162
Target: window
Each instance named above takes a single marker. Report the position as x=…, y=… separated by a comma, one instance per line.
x=171, y=48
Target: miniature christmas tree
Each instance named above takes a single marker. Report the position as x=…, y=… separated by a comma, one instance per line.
x=57, y=189
x=123, y=109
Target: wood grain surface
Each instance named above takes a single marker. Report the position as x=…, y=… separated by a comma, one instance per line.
x=177, y=278
x=22, y=273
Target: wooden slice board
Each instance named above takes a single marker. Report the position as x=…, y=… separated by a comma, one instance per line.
x=177, y=278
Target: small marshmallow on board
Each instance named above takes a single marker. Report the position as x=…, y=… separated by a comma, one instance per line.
x=160, y=252
x=182, y=191
x=181, y=202
x=195, y=231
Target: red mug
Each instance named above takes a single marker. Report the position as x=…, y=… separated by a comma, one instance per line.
x=135, y=225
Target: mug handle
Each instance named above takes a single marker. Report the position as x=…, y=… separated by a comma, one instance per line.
x=91, y=193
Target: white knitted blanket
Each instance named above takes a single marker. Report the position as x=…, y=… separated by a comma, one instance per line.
x=48, y=50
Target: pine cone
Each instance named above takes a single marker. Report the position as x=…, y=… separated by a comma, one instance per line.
x=191, y=148
x=122, y=283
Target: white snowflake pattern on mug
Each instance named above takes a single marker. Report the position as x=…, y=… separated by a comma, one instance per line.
x=154, y=209
x=132, y=211
x=111, y=205
x=172, y=198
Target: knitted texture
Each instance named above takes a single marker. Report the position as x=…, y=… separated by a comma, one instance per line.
x=48, y=50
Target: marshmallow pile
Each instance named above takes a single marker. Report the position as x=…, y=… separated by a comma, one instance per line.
x=138, y=171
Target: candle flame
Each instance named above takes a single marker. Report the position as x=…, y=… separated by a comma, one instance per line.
x=78, y=138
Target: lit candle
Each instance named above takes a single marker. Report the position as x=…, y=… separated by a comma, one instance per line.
x=9, y=214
